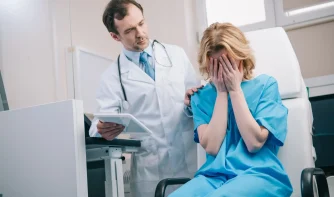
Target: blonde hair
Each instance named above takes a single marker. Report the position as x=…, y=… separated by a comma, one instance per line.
x=225, y=36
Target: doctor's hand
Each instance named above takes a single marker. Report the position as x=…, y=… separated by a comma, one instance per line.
x=189, y=93
x=216, y=74
x=232, y=73
x=109, y=130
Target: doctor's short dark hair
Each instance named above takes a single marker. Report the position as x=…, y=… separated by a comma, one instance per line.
x=117, y=9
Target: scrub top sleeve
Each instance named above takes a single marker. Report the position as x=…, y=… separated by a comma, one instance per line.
x=272, y=114
x=199, y=116
x=188, y=111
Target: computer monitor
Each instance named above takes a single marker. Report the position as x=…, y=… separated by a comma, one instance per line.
x=3, y=97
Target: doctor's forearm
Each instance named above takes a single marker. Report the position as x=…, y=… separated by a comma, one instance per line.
x=215, y=132
x=248, y=127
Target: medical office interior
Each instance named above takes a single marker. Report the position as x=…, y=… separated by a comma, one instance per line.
x=52, y=53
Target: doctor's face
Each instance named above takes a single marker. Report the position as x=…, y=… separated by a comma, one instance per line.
x=132, y=30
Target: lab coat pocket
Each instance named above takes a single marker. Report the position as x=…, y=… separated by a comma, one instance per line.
x=146, y=162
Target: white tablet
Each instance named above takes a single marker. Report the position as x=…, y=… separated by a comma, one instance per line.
x=132, y=125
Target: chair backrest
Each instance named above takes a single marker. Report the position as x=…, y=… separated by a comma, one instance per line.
x=275, y=56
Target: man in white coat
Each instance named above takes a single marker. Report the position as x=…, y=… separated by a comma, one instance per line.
x=152, y=87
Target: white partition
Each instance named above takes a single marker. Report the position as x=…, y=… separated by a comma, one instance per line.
x=84, y=77
x=42, y=151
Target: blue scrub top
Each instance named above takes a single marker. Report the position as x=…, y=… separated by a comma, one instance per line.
x=233, y=158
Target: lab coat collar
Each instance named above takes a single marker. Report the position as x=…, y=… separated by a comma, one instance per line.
x=134, y=72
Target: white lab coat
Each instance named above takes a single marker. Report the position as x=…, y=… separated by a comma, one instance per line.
x=159, y=104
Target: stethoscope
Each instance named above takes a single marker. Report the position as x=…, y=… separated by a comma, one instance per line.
x=125, y=103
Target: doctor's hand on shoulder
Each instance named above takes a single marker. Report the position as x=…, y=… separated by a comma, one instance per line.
x=109, y=130
x=189, y=93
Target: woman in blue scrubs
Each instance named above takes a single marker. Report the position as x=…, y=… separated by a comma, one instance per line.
x=239, y=120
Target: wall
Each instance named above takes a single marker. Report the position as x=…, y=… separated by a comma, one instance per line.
x=314, y=46
x=89, y=32
x=180, y=27
x=191, y=25
x=62, y=42
x=27, y=52
x=36, y=39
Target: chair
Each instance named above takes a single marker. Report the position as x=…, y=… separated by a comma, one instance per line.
x=275, y=56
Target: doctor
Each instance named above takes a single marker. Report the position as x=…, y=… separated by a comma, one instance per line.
x=148, y=80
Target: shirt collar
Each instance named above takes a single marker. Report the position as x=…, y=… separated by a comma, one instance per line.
x=135, y=55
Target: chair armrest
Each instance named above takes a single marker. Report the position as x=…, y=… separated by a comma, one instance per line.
x=161, y=187
x=307, y=182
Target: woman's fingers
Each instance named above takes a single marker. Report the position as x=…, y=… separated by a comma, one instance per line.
x=221, y=61
x=233, y=63
x=228, y=63
x=215, y=69
x=226, y=71
x=220, y=72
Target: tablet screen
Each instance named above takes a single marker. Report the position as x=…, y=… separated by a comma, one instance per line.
x=132, y=125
